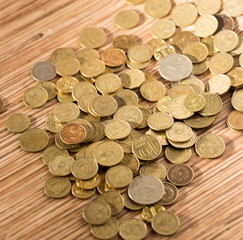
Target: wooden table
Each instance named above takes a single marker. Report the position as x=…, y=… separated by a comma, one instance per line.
x=209, y=208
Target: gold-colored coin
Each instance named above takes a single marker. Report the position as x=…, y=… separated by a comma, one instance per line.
x=140, y=53
x=146, y=113
x=124, y=42
x=196, y=84
x=213, y=104
x=206, y=25
x=113, y=57
x=157, y=8
x=81, y=88
x=160, y=121
x=108, y=230
x=200, y=68
x=126, y=229
x=208, y=41
x=184, y=14
x=65, y=112
x=100, y=130
x=118, y=129
x=226, y=40
x=84, y=168
x=92, y=37
x=34, y=140
x=155, y=42
x=233, y=7
x=61, y=53
x=205, y=7
x=60, y=165
x=90, y=183
x=236, y=77
x=239, y=48
x=119, y=190
x=163, y=103
x=177, y=156
x=50, y=88
x=130, y=114
x=117, y=69
x=163, y=51
x=134, y=2
x=127, y=19
x=134, y=65
x=209, y=145
x=35, y=97
x=131, y=162
x=97, y=212
x=179, y=132
x=241, y=60
x=128, y=203
x=197, y=121
x=161, y=136
x=92, y=68
x=53, y=125
x=132, y=78
x=237, y=99
x=180, y=89
x=170, y=194
x=146, y=147
x=101, y=185
x=67, y=66
x=64, y=97
x=154, y=169
x=82, y=193
x=234, y=120
x=91, y=148
x=63, y=145
x=66, y=84
x=218, y=84
x=57, y=187
x=149, y=212
x=152, y=90
x=165, y=223
x=163, y=29
x=114, y=200
x=51, y=152
x=84, y=100
x=194, y=102
x=17, y=123
x=87, y=54
x=196, y=51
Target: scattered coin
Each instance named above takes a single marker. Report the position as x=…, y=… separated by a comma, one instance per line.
x=50, y=88
x=65, y=112
x=139, y=53
x=127, y=19
x=113, y=57
x=117, y=129
x=61, y=53
x=194, y=102
x=149, y=212
x=154, y=169
x=60, y=165
x=170, y=194
x=51, y=152
x=160, y=121
x=124, y=42
x=179, y=132
x=17, y=123
x=233, y=7
x=197, y=121
x=234, y=120
x=218, y=84
x=237, y=100
x=43, y=71
x=163, y=29
x=205, y=7
x=87, y=54
x=82, y=193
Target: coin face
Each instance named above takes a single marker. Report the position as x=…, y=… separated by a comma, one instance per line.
x=92, y=68
x=236, y=77
x=196, y=84
x=205, y=7
x=163, y=29
x=154, y=169
x=60, y=165
x=82, y=193
x=234, y=120
x=140, y=53
x=218, y=84
x=194, y=102
x=51, y=152
x=170, y=194
x=113, y=57
x=233, y=7
x=146, y=189
x=127, y=19
x=44, y=71
x=87, y=54
x=124, y=42
x=198, y=121
x=157, y=8
x=18, y=122
x=149, y=212
x=61, y=53
x=160, y=121
x=65, y=112
x=117, y=129
x=237, y=100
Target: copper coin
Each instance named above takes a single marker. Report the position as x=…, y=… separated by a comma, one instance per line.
x=73, y=133
x=113, y=57
x=225, y=22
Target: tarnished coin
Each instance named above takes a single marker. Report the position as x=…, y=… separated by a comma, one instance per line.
x=57, y=187
x=51, y=152
x=140, y=53
x=218, y=84
x=128, y=203
x=53, y=125
x=149, y=212
x=132, y=228
x=163, y=29
x=117, y=129
x=65, y=112
x=87, y=54
x=160, y=121
x=17, y=123
x=179, y=132
x=177, y=156
x=132, y=78
x=237, y=99
x=60, y=165
x=146, y=189
x=50, y=88
x=154, y=169
x=155, y=42
x=61, y=53
x=34, y=140
x=170, y=194
x=209, y=145
x=234, y=120
x=205, y=7
x=127, y=19
x=175, y=67
x=157, y=8
x=194, y=102
x=165, y=223
x=124, y=42
x=43, y=71
x=92, y=68
x=197, y=121
x=63, y=145
x=97, y=212
x=82, y=88
x=180, y=174
x=113, y=57
x=196, y=84
x=82, y=193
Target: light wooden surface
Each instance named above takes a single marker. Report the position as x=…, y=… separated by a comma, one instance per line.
x=209, y=208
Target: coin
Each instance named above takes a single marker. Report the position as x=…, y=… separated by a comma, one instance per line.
x=35, y=97
x=196, y=51
x=61, y=53
x=146, y=113
x=175, y=67
x=180, y=89
x=113, y=57
x=209, y=145
x=197, y=121
x=140, y=53
x=179, y=132
x=205, y=7
x=208, y=41
x=117, y=129
x=132, y=78
x=234, y=120
x=237, y=100
x=92, y=68
x=66, y=84
x=87, y=54
x=64, y=97
x=114, y=200
x=180, y=174
x=236, y=77
x=127, y=19
x=132, y=228
x=128, y=203
x=124, y=42
x=194, y=102
x=65, y=112
x=146, y=189
x=82, y=193
x=90, y=183
x=149, y=212
x=163, y=103
x=163, y=50
x=155, y=42
x=165, y=223
x=53, y=125
x=177, y=156
x=170, y=194
x=50, y=88
x=154, y=169
x=97, y=212
x=160, y=135
x=57, y=187
x=218, y=84
x=60, y=165
x=107, y=230
x=196, y=84
x=63, y=145
x=17, y=123
x=131, y=162
x=233, y=7
x=67, y=66
x=160, y=121
x=163, y=29
x=81, y=88
x=239, y=48
x=224, y=22
x=51, y=152
x=200, y=68
x=43, y=71
x=92, y=37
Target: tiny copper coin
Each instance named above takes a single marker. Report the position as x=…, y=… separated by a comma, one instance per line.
x=44, y=71
x=170, y=194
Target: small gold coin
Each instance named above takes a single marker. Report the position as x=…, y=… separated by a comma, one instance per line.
x=196, y=51
x=82, y=193
x=67, y=66
x=51, y=152
x=154, y=169
x=155, y=42
x=197, y=121
x=128, y=203
x=237, y=99
x=160, y=121
x=165, y=223
x=90, y=183
x=163, y=29
x=170, y=194
x=234, y=120
x=161, y=136
x=157, y=8
x=236, y=77
x=208, y=41
x=162, y=51
x=100, y=130
x=200, y=68
x=117, y=129
x=163, y=103
x=66, y=84
x=87, y=54
x=126, y=229
x=180, y=89
x=92, y=37
x=146, y=113
x=132, y=78
x=108, y=230
x=179, y=132
x=61, y=53
x=209, y=145
x=91, y=148
x=65, y=112
x=196, y=84
x=184, y=14
x=113, y=57
x=35, y=97
x=149, y=212
x=194, y=102
x=119, y=190
x=53, y=125
x=17, y=123
x=81, y=88
x=146, y=147
x=131, y=162
x=218, y=84
x=124, y=42
x=177, y=156
x=64, y=97
x=97, y=212
x=84, y=99
x=152, y=90
x=50, y=88
x=233, y=7
x=127, y=19
x=60, y=165
x=205, y=7
x=140, y=53
x=92, y=68
x=57, y=187
x=239, y=48
x=34, y=140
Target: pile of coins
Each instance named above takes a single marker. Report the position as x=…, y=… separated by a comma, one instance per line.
x=117, y=141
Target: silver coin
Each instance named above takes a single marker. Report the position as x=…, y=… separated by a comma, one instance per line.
x=175, y=67
x=146, y=189
x=44, y=71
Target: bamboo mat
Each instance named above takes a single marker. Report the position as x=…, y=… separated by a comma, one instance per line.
x=209, y=208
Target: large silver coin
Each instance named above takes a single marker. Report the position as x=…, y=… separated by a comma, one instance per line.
x=146, y=189
x=175, y=67
x=43, y=71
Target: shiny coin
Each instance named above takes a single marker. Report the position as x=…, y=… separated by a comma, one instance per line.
x=196, y=51
x=66, y=84
x=163, y=103
x=196, y=84
x=163, y=29
x=162, y=51
x=160, y=121
x=57, y=187
x=205, y=7
x=149, y=212
x=131, y=162
x=82, y=193
x=67, y=66
x=113, y=57
x=132, y=78
x=180, y=89
x=82, y=88
x=157, y=8
x=64, y=97
x=140, y=53
x=60, y=165
x=127, y=19
x=233, y=7
x=90, y=183
x=92, y=68
x=170, y=195
x=200, y=68
x=179, y=132
x=236, y=77
x=208, y=41
x=87, y=54
x=84, y=99
x=237, y=100
x=117, y=129
x=43, y=71
x=124, y=42
x=17, y=123
x=177, y=156
x=234, y=120
x=128, y=203
x=218, y=84
x=155, y=42
x=65, y=112
x=51, y=152
x=53, y=125
x=197, y=121
x=194, y=102
x=161, y=136
x=50, y=88
x=61, y=53
x=154, y=169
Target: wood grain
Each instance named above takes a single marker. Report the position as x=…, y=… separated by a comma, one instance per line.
x=209, y=208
